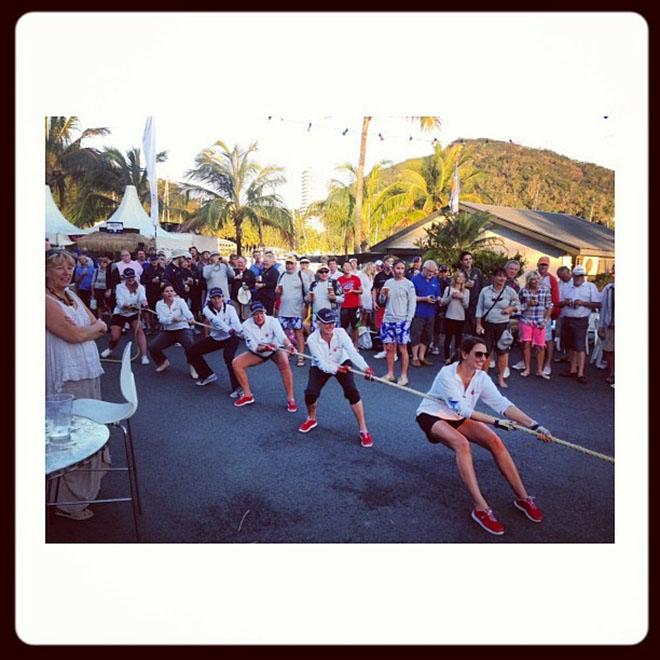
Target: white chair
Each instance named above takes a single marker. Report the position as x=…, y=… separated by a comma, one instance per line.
x=105, y=412
x=592, y=332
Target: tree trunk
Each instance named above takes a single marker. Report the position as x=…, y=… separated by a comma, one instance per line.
x=239, y=236
x=359, y=186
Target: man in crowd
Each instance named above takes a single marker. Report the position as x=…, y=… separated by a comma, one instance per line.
x=152, y=278
x=606, y=327
x=415, y=267
x=292, y=291
x=427, y=291
x=244, y=279
x=174, y=273
x=474, y=281
x=83, y=276
x=335, y=273
x=564, y=278
x=218, y=274
x=379, y=280
x=266, y=284
x=306, y=272
x=580, y=299
x=257, y=264
x=349, y=313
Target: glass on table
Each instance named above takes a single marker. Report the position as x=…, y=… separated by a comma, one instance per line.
x=58, y=418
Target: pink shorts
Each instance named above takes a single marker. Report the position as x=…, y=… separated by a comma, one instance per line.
x=533, y=334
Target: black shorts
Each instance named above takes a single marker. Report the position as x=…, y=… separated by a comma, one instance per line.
x=349, y=317
x=119, y=320
x=427, y=421
x=574, y=333
x=492, y=334
x=421, y=330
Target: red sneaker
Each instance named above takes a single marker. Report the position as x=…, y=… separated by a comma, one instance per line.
x=529, y=509
x=244, y=401
x=291, y=406
x=365, y=439
x=307, y=425
x=488, y=521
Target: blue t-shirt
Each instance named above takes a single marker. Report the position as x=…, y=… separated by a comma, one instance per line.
x=424, y=287
x=85, y=284
x=257, y=269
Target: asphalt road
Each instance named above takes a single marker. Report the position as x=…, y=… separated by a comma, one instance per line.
x=213, y=473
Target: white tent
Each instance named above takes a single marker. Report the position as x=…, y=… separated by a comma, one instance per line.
x=132, y=214
x=58, y=228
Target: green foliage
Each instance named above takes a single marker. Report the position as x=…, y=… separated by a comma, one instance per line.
x=520, y=177
x=489, y=260
x=234, y=189
x=453, y=234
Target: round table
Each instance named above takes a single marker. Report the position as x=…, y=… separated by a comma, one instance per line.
x=87, y=437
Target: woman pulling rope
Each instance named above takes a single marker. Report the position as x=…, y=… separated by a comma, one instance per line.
x=453, y=421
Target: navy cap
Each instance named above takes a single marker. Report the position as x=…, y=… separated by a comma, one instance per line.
x=257, y=307
x=128, y=272
x=216, y=291
x=326, y=315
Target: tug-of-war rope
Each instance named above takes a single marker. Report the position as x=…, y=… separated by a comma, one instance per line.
x=423, y=395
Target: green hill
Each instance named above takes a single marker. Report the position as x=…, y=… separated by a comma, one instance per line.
x=522, y=177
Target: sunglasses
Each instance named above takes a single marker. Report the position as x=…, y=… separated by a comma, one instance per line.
x=480, y=354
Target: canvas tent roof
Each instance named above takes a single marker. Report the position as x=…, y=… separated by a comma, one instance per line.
x=58, y=228
x=131, y=213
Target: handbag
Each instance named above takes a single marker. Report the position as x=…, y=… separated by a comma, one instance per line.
x=505, y=341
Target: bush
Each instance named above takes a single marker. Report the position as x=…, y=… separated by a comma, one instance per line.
x=488, y=261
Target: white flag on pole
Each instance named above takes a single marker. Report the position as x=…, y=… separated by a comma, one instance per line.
x=149, y=149
x=455, y=191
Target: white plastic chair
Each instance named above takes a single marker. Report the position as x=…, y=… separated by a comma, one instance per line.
x=592, y=332
x=106, y=412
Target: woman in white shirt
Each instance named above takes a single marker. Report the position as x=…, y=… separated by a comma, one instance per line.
x=175, y=318
x=332, y=352
x=72, y=367
x=366, y=275
x=263, y=336
x=454, y=422
x=131, y=298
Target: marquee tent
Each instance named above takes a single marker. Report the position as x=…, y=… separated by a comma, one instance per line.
x=58, y=228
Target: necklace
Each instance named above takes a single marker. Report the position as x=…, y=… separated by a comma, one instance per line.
x=64, y=298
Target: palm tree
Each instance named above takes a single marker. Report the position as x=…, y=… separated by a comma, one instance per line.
x=67, y=161
x=446, y=239
x=426, y=123
x=104, y=184
x=235, y=189
x=422, y=190
x=338, y=210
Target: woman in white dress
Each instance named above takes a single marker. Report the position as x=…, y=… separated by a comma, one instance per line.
x=73, y=367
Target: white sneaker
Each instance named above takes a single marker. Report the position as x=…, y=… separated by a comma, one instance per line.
x=507, y=373
x=144, y=360
x=435, y=351
x=106, y=353
x=207, y=380
x=519, y=366
x=381, y=355
x=547, y=371
x=237, y=393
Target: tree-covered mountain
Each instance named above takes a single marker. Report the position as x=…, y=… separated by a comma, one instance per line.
x=522, y=177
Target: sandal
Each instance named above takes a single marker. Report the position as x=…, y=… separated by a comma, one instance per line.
x=544, y=376
x=525, y=373
x=582, y=379
x=503, y=384
x=85, y=514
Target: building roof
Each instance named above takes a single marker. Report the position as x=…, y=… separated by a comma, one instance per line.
x=568, y=233
x=575, y=234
